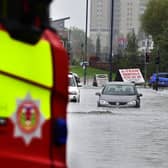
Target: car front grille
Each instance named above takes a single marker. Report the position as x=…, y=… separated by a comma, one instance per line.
x=117, y=103
x=112, y=103
x=122, y=103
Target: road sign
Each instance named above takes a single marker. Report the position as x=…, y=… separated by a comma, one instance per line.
x=132, y=75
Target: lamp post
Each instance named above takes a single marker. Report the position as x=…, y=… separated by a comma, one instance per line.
x=157, y=67
x=85, y=55
x=146, y=60
x=111, y=41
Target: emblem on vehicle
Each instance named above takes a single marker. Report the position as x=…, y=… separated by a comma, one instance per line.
x=27, y=119
x=117, y=103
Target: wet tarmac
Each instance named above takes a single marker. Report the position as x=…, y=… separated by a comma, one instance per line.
x=118, y=137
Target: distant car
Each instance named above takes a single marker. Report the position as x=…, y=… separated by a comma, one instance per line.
x=119, y=94
x=77, y=78
x=162, y=79
x=74, y=92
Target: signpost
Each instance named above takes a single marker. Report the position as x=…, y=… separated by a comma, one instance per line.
x=86, y=31
x=132, y=75
x=157, y=62
x=146, y=60
x=111, y=41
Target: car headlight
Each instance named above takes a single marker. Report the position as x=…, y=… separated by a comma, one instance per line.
x=103, y=102
x=132, y=102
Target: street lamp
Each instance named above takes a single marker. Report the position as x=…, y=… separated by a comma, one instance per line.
x=111, y=41
x=157, y=62
x=86, y=30
x=146, y=58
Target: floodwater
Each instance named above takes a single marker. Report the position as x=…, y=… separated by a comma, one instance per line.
x=118, y=137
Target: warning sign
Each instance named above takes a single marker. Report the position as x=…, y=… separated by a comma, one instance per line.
x=132, y=75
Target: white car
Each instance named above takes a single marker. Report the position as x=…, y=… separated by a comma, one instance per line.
x=77, y=78
x=74, y=92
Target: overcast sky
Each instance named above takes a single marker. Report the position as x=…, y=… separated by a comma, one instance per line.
x=75, y=9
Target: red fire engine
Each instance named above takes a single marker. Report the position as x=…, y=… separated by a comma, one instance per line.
x=33, y=87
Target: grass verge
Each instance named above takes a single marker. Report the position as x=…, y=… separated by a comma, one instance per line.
x=90, y=72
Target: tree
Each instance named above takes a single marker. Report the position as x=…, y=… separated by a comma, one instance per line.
x=131, y=51
x=162, y=42
x=128, y=57
x=77, y=39
x=155, y=17
x=155, y=23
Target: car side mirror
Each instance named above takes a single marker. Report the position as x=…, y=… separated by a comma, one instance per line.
x=79, y=85
x=139, y=95
x=98, y=94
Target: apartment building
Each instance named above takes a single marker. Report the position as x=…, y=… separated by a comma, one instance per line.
x=126, y=18
x=100, y=22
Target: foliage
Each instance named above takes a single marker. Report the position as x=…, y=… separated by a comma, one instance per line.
x=155, y=23
x=77, y=44
x=155, y=17
x=163, y=48
x=129, y=57
x=75, y=62
x=90, y=71
x=131, y=52
x=77, y=38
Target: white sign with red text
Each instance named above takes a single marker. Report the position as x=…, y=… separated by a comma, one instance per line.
x=132, y=75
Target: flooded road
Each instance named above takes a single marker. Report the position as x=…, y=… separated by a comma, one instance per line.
x=118, y=137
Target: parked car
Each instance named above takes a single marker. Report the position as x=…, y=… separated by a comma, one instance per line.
x=119, y=94
x=73, y=89
x=77, y=78
x=162, y=79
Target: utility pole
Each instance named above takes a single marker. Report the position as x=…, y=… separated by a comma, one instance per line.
x=111, y=41
x=146, y=59
x=157, y=68
x=86, y=30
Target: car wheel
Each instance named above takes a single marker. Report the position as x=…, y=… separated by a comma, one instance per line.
x=98, y=104
x=137, y=104
x=75, y=100
x=154, y=86
x=78, y=99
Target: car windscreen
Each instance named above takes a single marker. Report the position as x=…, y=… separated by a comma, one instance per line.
x=119, y=90
x=72, y=81
x=163, y=75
